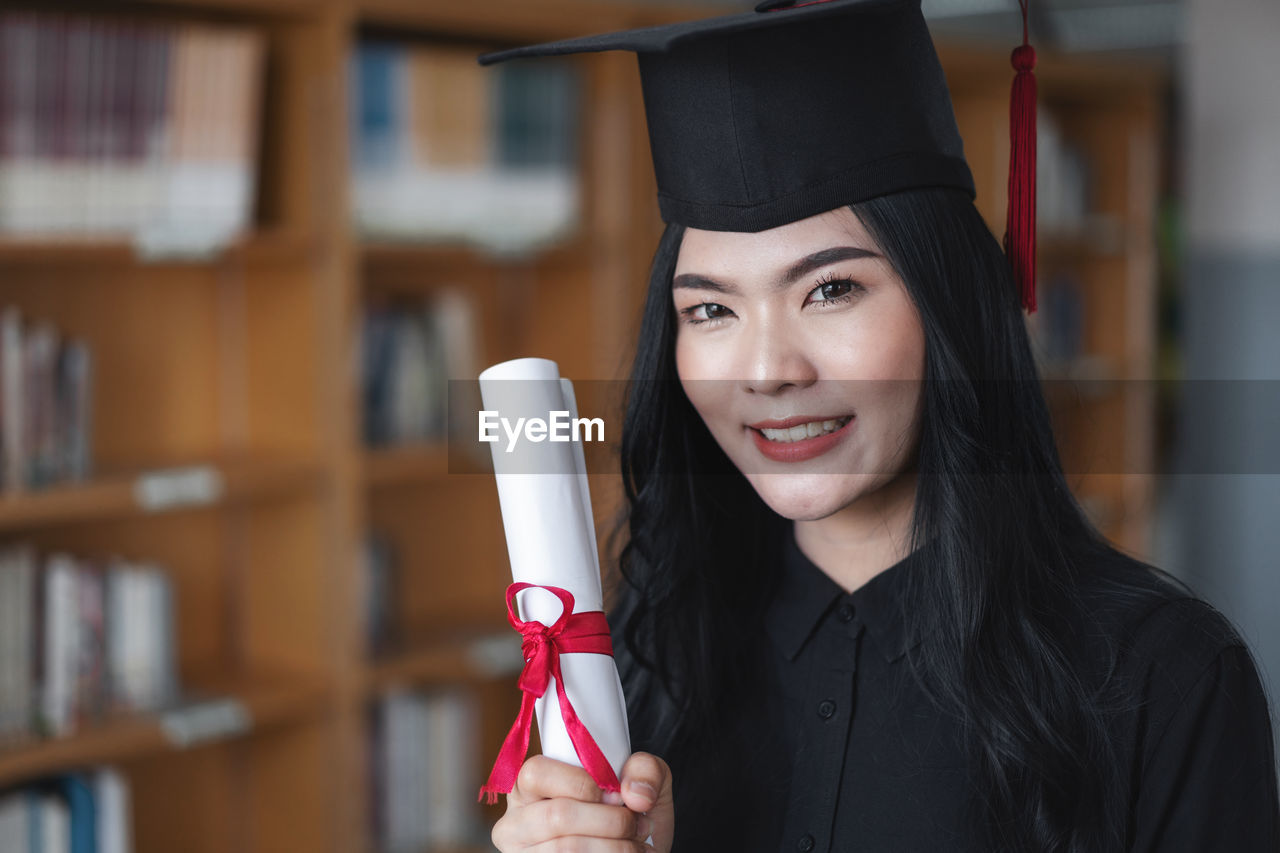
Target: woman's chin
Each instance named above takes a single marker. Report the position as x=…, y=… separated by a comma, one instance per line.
x=809, y=497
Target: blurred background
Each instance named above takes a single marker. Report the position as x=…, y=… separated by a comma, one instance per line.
x=249, y=602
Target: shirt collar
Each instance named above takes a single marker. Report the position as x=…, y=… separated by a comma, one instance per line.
x=805, y=594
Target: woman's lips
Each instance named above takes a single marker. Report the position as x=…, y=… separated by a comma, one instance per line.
x=799, y=451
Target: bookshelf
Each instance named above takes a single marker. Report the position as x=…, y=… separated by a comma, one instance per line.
x=1098, y=384
x=241, y=365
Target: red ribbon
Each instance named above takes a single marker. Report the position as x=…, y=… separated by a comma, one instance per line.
x=542, y=647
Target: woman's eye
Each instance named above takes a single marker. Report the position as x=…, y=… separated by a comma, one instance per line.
x=834, y=290
x=705, y=312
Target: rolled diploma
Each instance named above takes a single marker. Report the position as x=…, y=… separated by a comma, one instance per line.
x=551, y=540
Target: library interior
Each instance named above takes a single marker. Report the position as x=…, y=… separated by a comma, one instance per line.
x=251, y=250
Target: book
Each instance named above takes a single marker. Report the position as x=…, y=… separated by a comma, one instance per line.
x=91, y=675
x=1063, y=176
x=450, y=110
x=61, y=645
x=49, y=820
x=404, y=757
x=415, y=392
x=14, y=834
x=82, y=822
x=453, y=755
x=81, y=812
x=39, y=390
x=377, y=358
x=423, y=751
x=11, y=606
x=446, y=150
x=74, y=415
x=46, y=411
x=380, y=589
x=114, y=827
x=12, y=382
x=81, y=638
x=377, y=82
x=453, y=311
x=419, y=368
x=147, y=131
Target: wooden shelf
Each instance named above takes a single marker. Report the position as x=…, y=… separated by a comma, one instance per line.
x=413, y=464
x=382, y=260
x=153, y=490
x=268, y=700
x=406, y=464
x=516, y=20
x=281, y=246
x=448, y=658
x=1064, y=77
x=1096, y=236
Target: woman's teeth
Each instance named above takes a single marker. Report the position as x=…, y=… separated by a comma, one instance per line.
x=803, y=431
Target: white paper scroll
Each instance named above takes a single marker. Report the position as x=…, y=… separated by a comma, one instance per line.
x=551, y=540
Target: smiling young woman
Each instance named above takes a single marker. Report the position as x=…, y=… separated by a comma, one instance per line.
x=802, y=345
x=859, y=607
x=911, y=637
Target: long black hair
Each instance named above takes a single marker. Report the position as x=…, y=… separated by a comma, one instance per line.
x=1011, y=540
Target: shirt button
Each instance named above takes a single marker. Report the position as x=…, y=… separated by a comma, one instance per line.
x=826, y=709
x=844, y=613
x=805, y=844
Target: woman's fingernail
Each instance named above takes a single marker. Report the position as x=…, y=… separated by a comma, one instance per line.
x=613, y=798
x=644, y=827
x=644, y=789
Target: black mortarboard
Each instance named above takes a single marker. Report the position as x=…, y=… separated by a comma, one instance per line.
x=761, y=118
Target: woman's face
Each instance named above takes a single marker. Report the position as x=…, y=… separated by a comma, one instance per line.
x=804, y=329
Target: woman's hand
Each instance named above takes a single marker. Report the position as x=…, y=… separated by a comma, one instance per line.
x=556, y=806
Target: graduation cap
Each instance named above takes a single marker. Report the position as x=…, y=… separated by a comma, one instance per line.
x=761, y=118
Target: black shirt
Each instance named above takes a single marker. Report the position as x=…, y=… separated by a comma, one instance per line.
x=840, y=750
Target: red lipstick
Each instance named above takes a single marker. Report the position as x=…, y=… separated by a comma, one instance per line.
x=804, y=449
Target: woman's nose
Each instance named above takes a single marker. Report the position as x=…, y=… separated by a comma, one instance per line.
x=773, y=358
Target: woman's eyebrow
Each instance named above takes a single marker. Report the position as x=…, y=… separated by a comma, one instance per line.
x=799, y=269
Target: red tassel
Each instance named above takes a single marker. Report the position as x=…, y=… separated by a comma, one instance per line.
x=1020, y=227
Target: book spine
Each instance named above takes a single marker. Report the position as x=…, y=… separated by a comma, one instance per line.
x=14, y=834
x=62, y=643
x=9, y=604
x=21, y=56
x=243, y=125
x=93, y=641
x=114, y=828
x=128, y=119
x=113, y=630
x=26, y=630
x=76, y=86
x=55, y=216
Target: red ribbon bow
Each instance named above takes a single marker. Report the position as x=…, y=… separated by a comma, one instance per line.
x=542, y=647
